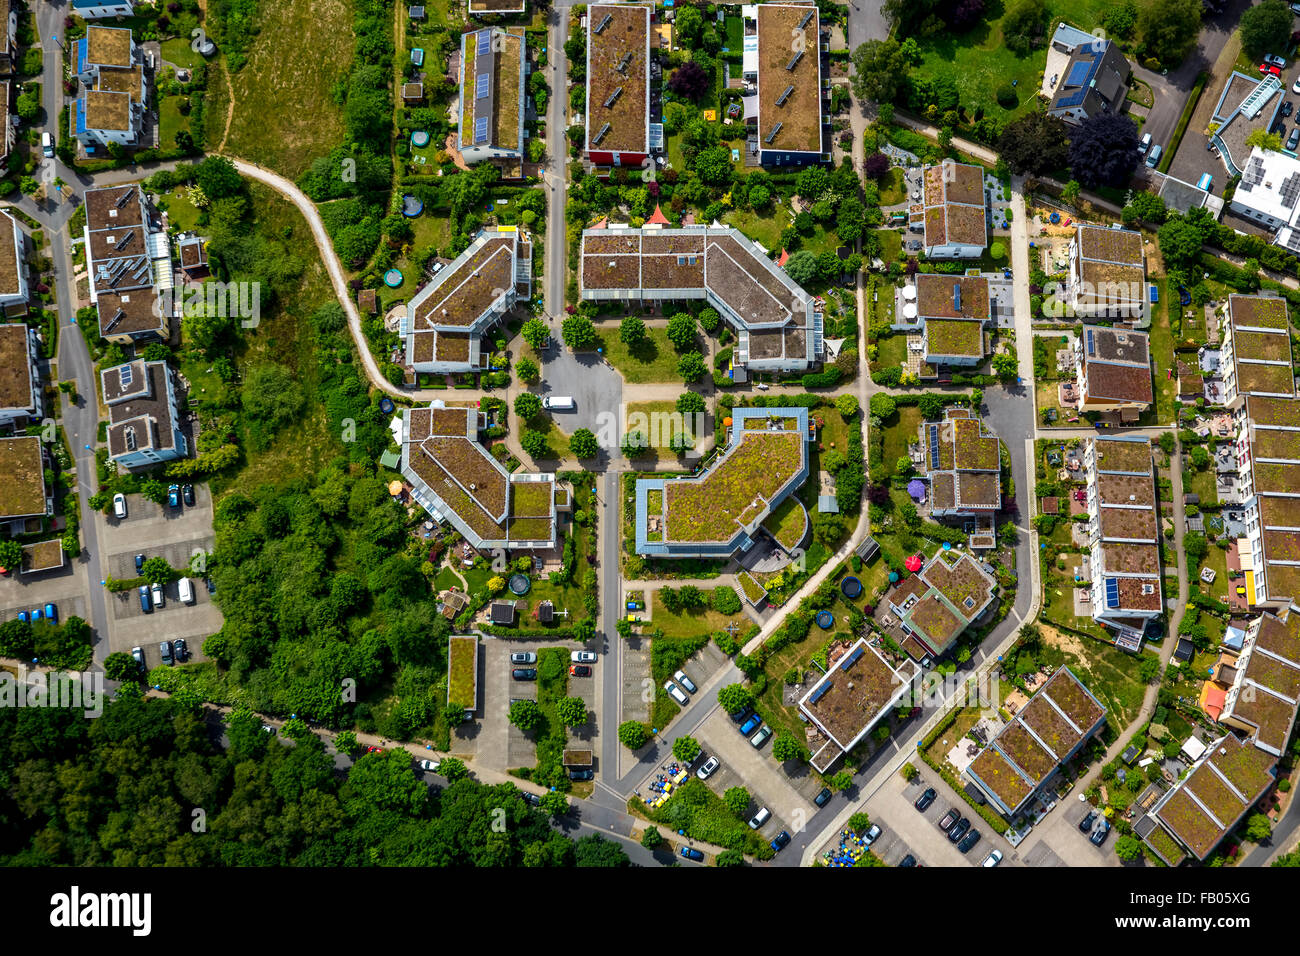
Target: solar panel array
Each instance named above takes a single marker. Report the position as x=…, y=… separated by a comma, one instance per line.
x=484, y=42
x=851, y=660
x=483, y=86
x=1290, y=190
x=127, y=375
x=481, y=130
x=1254, y=174
x=819, y=693
x=1078, y=73
x=1091, y=349
x=1293, y=240
x=1112, y=592
x=934, y=447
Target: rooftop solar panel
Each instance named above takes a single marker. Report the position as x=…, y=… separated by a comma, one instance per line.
x=1112, y=592
x=481, y=130
x=851, y=660
x=1079, y=73
x=482, y=86
x=484, y=42
x=819, y=693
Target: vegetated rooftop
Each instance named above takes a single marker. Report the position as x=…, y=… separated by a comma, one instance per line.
x=853, y=693
x=15, y=365
x=708, y=509
x=782, y=68
x=627, y=114
x=1245, y=767
x=22, y=477
x=462, y=671
x=954, y=337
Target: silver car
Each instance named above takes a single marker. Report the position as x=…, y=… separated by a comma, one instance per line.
x=710, y=765
x=685, y=681
x=523, y=657
x=676, y=694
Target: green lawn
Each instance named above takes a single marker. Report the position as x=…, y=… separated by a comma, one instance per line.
x=1111, y=675
x=655, y=360
x=1162, y=353
x=978, y=61
x=892, y=351
x=180, y=211
x=893, y=189
x=764, y=229
x=691, y=623
x=178, y=51
x=1201, y=483
x=661, y=420
x=900, y=431
x=170, y=120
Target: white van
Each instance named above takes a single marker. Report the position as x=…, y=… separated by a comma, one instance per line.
x=1145, y=144
x=563, y=403
x=47, y=145
x=761, y=817
x=186, y=590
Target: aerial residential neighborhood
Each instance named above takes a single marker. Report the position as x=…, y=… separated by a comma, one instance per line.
x=802, y=434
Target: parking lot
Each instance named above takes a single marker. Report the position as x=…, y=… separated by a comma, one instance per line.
x=176, y=535
x=894, y=810
x=66, y=588
x=1057, y=841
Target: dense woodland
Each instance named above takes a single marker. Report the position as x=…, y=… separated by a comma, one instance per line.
x=147, y=784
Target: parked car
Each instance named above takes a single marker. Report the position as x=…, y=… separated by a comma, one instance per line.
x=156, y=592
x=761, y=817
x=993, y=859
x=47, y=145
x=138, y=654
x=692, y=854
x=583, y=657
x=139, y=563
x=823, y=798
x=1153, y=157
x=1086, y=823
x=145, y=605
x=676, y=694
x=22, y=616
x=52, y=613
x=186, y=591
x=579, y=670
x=119, y=505
x=1100, y=833
x=1287, y=108
x=1295, y=87
x=187, y=494
x=924, y=800
x=524, y=673
x=430, y=766
x=872, y=835
x=180, y=650
x=969, y=841
x=165, y=650
x=751, y=725
x=780, y=841
x=581, y=774
x=173, y=496
x=959, y=829
x=706, y=770
x=760, y=738
x=1294, y=139
x=523, y=657
x=36, y=614
x=742, y=715
x=531, y=799
x=949, y=819
x=686, y=682
x=1274, y=60
x=1145, y=143
x=908, y=860
x=1295, y=8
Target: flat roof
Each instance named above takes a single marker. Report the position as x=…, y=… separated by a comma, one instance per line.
x=10, y=256
x=106, y=110
x=789, y=66
x=108, y=46
x=15, y=366
x=954, y=205
x=145, y=419
x=628, y=114
x=22, y=492
x=1205, y=805
x=854, y=694
x=492, y=87
x=951, y=297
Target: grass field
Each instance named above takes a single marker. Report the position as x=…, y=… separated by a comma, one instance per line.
x=180, y=211
x=978, y=61
x=898, y=435
x=284, y=116
x=892, y=188
x=178, y=51
x=653, y=361
x=1111, y=674
x=691, y=623
x=170, y=120
x=285, y=337
x=763, y=229
x=657, y=427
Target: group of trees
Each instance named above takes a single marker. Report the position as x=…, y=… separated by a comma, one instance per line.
x=262, y=803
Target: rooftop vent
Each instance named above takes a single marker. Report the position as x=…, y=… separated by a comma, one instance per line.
x=798, y=55
x=780, y=100
x=622, y=64
x=605, y=22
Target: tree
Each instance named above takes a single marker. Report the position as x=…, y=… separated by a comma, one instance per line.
x=527, y=371
x=579, y=334
x=527, y=406
x=535, y=333
x=453, y=768
x=121, y=666
x=1005, y=366
x=1034, y=144
x=880, y=70
x=691, y=367
x=1195, y=546
x=1022, y=24
x=496, y=584
x=882, y=406
x=786, y=747
x=689, y=26
x=691, y=403
x=735, y=697
x=554, y=803
x=859, y=823
x=709, y=318
x=682, y=331
x=534, y=442
x=1149, y=669
x=632, y=734
x=1128, y=848
x=631, y=331
x=736, y=800
x=847, y=405
x=572, y=710
x=1167, y=29
x=841, y=781
x=689, y=81
x=652, y=839
x=1070, y=192
x=218, y=178
x=736, y=858
x=583, y=444
x=1263, y=138
x=595, y=850
x=11, y=555
x=1103, y=150
x=634, y=443
x=345, y=742
x=525, y=714
x=1144, y=206
x=1180, y=243
x=686, y=749
x=156, y=570
x=1258, y=828
x=1266, y=28
x=803, y=267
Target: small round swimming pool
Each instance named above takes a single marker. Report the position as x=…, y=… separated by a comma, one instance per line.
x=419, y=139
x=851, y=587
x=825, y=619
x=519, y=584
x=411, y=206
x=393, y=278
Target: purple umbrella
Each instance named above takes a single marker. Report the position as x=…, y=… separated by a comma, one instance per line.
x=916, y=488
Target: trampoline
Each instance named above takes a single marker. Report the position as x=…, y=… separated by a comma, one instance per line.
x=851, y=587
x=393, y=278
x=386, y=406
x=420, y=139
x=825, y=619
x=417, y=56
x=411, y=206
x=519, y=584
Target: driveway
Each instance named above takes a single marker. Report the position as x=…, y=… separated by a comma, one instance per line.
x=892, y=807
x=1059, y=834
x=65, y=588
x=595, y=385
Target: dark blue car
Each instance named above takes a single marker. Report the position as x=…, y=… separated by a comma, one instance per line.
x=174, y=496
x=692, y=854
